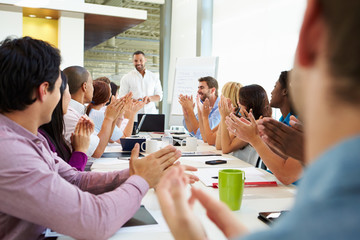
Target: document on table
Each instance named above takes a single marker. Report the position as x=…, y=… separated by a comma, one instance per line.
x=199, y=162
x=208, y=176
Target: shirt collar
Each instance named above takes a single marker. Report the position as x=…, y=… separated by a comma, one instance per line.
x=137, y=72
x=216, y=102
x=15, y=127
x=80, y=108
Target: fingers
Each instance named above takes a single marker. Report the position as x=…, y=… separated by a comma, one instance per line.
x=133, y=157
x=189, y=168
x=252, y=118
x=77, y=127
x=135, y=152
x=191, y=178
x=296, y=124
x=219, y=213
x=169, y=159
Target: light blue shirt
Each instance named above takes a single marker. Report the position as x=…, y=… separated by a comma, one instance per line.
x=287, y=119
x=214, y=119
x=98, y=117
x=327, y=202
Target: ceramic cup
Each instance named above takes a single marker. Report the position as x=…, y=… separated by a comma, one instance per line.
x=191, y=144
x=150, y=147
x=231, y=187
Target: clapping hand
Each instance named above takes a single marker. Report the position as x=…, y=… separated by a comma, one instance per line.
x=206, y=108
x=242, y=128
x=115, y=108
x=152, y=167
x=80, y=138
x=287, y=140
x=225, y=107
x=186, y=102
x=177, y=209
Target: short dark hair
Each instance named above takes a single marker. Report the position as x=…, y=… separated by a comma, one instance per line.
x=254, y=97
x=284, y=84
x=211, y=82
x=114, y=88
x=283, y=79
x=76, y=76
x=138, y=52
x=342, y=20
x=25, y=63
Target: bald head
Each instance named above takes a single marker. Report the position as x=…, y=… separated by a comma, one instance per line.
x=76, y=76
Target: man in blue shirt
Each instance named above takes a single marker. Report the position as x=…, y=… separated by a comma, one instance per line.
x=325, y=77
x=207, y=89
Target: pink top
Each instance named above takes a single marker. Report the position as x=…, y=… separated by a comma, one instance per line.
x=39, y=190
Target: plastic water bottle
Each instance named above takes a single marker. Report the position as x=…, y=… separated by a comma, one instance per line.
x=167, y=139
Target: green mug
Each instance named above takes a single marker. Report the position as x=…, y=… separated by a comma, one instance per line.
x=231, y=187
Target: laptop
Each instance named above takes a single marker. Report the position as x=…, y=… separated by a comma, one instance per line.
x=151, y=123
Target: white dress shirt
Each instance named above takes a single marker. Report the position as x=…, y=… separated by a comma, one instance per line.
x=71, y=118
x=140, y=86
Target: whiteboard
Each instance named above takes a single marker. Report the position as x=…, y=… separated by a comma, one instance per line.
x=187, y=73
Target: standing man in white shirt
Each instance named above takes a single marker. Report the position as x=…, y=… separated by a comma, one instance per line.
x=144, y=84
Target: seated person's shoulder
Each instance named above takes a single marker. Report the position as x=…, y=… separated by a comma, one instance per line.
x=24, y=152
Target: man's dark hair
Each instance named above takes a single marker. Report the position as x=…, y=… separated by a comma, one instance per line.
x=76, y=76
x=114, y=88
x=343, y=22
x=254, y=97
x=211, y=82
x=138, y=52
x=25, y=64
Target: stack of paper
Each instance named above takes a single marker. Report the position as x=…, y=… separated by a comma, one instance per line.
x=209, y=176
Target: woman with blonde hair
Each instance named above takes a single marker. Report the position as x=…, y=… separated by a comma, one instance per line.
x=231, y=91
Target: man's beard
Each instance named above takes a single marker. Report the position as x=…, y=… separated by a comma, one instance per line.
x=204, y=96
x=140, y=67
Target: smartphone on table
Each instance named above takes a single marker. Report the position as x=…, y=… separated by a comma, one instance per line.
x=215, y=162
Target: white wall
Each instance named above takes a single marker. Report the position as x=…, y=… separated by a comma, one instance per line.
x=183, y=35
x=255, y=39
x=182, y=42
x=11, y=21
x=71, y=39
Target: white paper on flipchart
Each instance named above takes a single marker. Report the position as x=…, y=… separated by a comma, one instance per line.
x=206, y=175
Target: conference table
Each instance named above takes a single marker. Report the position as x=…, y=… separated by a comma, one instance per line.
x=255, y=199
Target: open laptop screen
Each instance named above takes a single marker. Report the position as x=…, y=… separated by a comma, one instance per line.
x=152, y=122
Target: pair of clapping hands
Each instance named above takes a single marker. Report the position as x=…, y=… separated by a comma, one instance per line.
x=145, y=100
x=153, y=166
x=286, y=140
x=187, y=103
x=80, y=138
